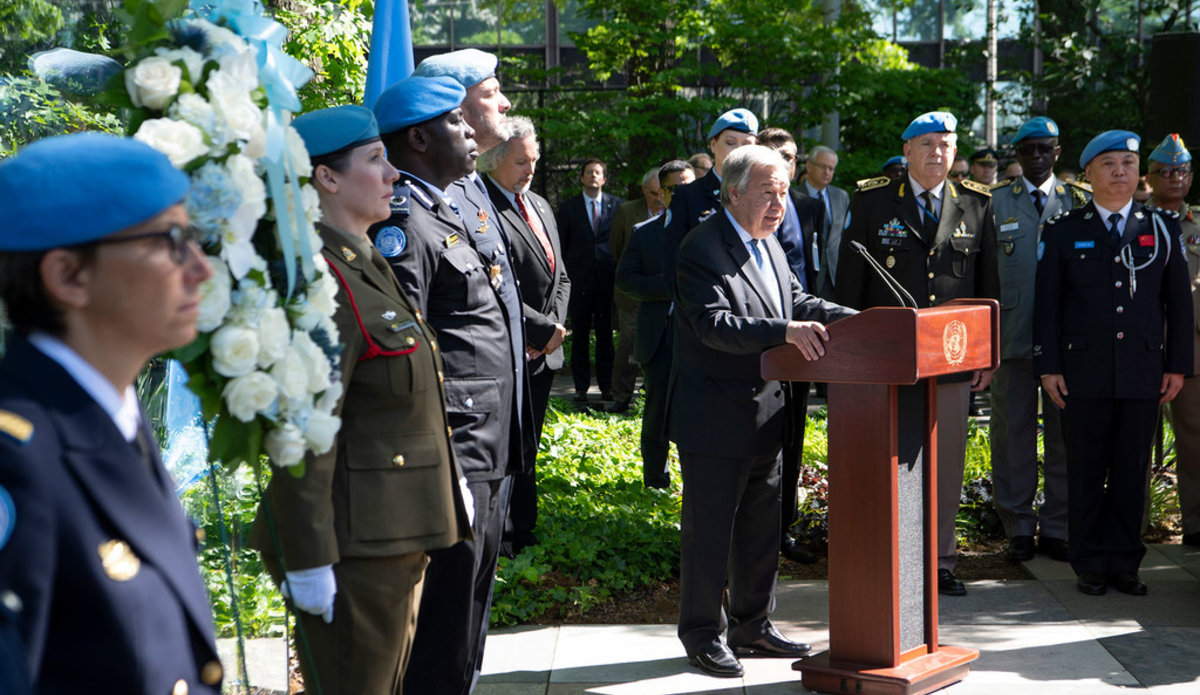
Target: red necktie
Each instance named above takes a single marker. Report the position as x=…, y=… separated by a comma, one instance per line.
x=536, y=225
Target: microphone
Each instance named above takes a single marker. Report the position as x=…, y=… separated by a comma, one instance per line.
x=890, y=282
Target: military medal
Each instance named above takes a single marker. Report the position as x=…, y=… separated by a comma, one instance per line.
x=1193, y=240
x=1008, y=248
x=388, y=315
x=891, y=262
x=483, y=225
x=496, y=277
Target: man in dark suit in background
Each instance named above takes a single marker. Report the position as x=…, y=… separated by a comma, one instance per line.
x=640, y=273
x=1112, y=342
x=545, y=288
x=735, y=298
x=584, y=223
x=835, y=204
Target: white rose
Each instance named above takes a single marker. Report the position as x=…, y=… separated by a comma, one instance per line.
x=235, y=350
x=152, y=82
x=291, y=373
x=285, y=445
x=214, y=296
x=273, y=336
x=241, y=69
x=240, y=254
x=315, y=361
x=248, y=395
x=298, y=152
x=321, y=431
x=312, y=206
x=193, y=60
x=328, y=400
x=322, y=294
x=180, y=141
x=249, y=184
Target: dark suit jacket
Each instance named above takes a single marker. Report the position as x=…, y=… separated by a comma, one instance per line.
x=959, y=262
x=719, y=404
x=640, y=275
x=798, y=244
x=393, y=405
x=82, y=494
x=691, y=204
x=448, y=281
x=1087, y=327
x=588, y=256
x=544, y=294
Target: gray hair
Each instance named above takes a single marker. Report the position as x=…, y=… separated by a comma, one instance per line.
x=819, y=150
x=651, y=175
x=735, y=173
x=519, y=128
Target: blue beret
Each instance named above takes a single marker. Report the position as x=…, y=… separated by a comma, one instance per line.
x=1109, y=141
x=898, y=159
x=741, y=120
x=932, y=122
x=1036, y=127
x=416, y=100
x=468, y=67
x=72, y=189
x=338, y=128
x=1171, y=151
x=74, y=71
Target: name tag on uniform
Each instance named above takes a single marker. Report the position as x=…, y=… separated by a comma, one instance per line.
x=1085, y=244
x=1010, y=226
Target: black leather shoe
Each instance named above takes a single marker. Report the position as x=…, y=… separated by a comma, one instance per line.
x=1091, y=584
x=1127, y=583
x=950, y=585
x=717, y=661
x=617, y=407
x=792, y=550
x=580, y=397
x=1020, y=549
x=1053, y=548
x=1191, y=539
x=773, y=645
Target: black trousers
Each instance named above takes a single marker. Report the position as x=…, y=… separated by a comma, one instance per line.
x=730, y=529
x=793, y=456
x=522, y=506
x=456, y=603
x=1108, y=455
x=591, y=310
x=655, y=445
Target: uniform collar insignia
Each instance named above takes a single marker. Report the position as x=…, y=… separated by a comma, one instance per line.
x=349, y=254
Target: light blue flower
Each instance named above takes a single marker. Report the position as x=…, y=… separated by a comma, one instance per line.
x=213, y=198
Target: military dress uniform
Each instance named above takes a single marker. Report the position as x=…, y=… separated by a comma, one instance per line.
x=691, y=204
x=454, y=286
x=1185, y=409
x=957, y=261
x=1101, y=326
x=384, y=495
x=1013, y=430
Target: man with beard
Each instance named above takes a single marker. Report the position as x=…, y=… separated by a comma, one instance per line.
x=459, y=291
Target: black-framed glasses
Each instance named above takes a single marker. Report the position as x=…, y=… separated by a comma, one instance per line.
x=1032, y=148
x=1172, y=172
x=180, y=240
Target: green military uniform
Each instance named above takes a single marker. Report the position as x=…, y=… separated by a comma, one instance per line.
x=1185, y=409
x=386, y=492
x=1013, y=431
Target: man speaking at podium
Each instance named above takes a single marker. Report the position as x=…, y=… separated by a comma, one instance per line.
x=937, y=238
x=736, y=298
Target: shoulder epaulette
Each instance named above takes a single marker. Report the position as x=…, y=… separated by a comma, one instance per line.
x=1000, y=184
x=1081, y=185
x=873, y=183
x=15, y=426
x=1171, y=214
x=400, y=199
x=980, y=188
x=1058, y=216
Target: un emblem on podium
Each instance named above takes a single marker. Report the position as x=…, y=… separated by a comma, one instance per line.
x=954, y=342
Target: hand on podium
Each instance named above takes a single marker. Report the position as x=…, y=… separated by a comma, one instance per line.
x=809, y=336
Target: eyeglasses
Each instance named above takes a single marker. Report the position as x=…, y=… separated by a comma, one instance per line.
x=181, y=241
x=1172, y=172
x=957, y=175
x=1032, y=148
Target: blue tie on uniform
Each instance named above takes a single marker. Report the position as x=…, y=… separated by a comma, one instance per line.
x=1114, y=225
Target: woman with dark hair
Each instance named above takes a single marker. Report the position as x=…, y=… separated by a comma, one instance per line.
x=348, y=540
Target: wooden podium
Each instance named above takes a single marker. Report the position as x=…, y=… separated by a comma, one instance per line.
x=881, y=366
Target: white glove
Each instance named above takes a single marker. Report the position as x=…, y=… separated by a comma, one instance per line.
x=312, y=590
x=468, y=499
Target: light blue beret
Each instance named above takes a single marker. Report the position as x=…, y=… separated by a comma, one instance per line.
x=326, y=131
x=468, y=67
x=74, y=71
x=932, y=122
x=1036, y=127
x=1109, y=141
x=1171, y=151
x=741, y=120
x=72, y=189
x=416, y=100
x=898, y=159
